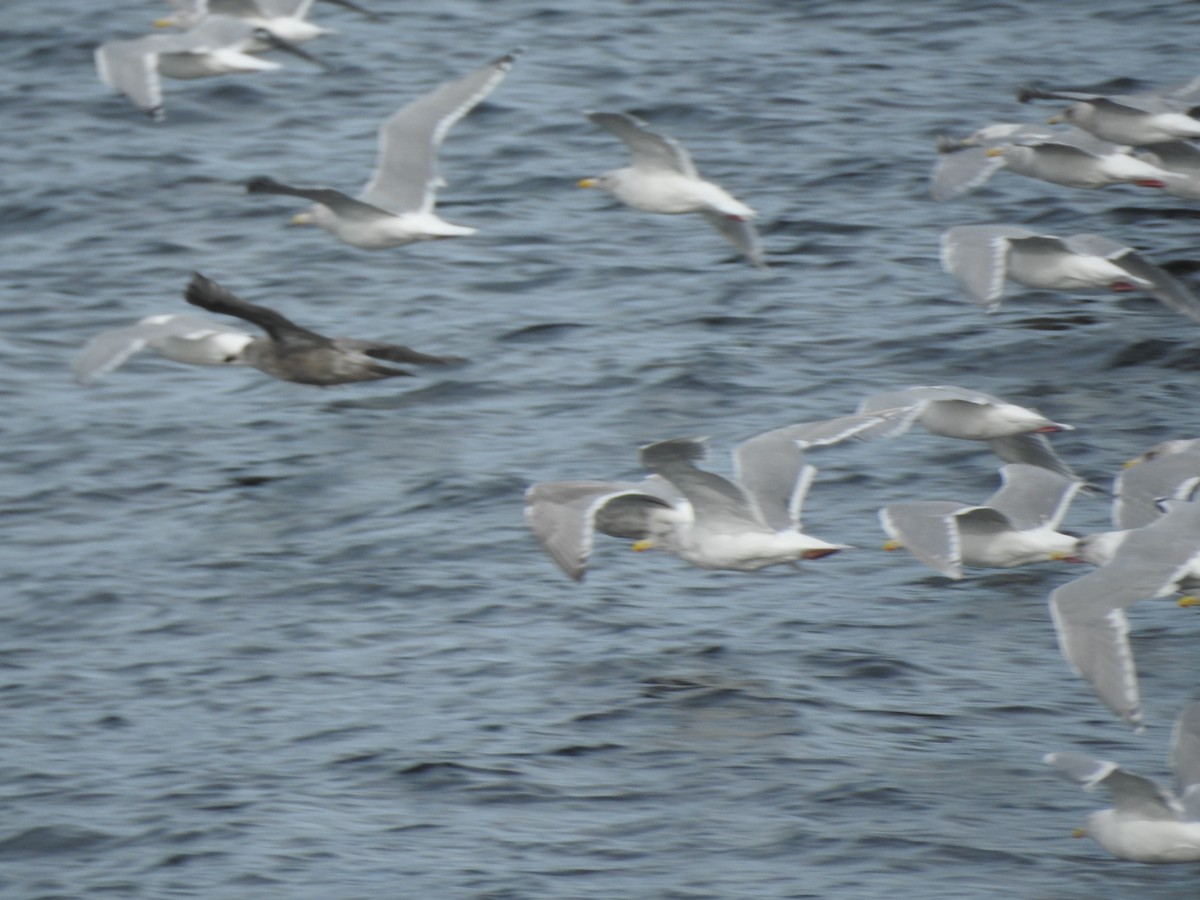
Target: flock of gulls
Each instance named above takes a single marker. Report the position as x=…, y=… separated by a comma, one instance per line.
x=754, y=519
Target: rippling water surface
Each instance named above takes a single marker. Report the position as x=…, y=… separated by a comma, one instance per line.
x=265, y=640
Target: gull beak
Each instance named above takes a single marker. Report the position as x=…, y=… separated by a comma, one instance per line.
x=1189, y=601
x=301, y=219
x=1079, y=832
x=1130, y=463
x=1064, y=556
x=892, y=545
x=642, y=545
x=586, y=182
x=994, y=151
x=167, y=22
x=1055, y=120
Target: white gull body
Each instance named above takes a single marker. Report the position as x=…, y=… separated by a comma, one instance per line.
x=663, y=179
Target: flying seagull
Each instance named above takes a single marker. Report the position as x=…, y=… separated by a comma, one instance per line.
x=397, y=205
x=292, y=353
x=663, y=179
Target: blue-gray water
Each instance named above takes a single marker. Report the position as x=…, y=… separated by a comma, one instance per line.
x=260, y=640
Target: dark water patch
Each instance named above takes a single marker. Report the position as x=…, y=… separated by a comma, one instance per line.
x=965, y=853
x=437, y=776
x=519, y=285
x=333, y=734
x=838, y=664
x=444, y=393
x=602, y=716
x=1133, y=215
x=254, y=480
x=729, y=321
x=1065, y=322
x=690, y=687
x=177, y=860
x=540, y=332
x=51, y=840
x=1151, y=350
x=881, y=795
x=1182, y=267
x=1186, y=359
x=577, y=750
x=17, y=216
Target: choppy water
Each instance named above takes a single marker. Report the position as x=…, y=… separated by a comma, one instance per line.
x=263, y=640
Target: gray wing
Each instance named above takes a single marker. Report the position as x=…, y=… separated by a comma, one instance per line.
x=881, y=421
x=1033, y=497
x=1137, y=490
x=996, y=134
x=961, y=171
x=1155, y=559
x=346, y=207
x=192, y=8
x=275, y=9
x=1095, y=245
x=241, y=9
x=741, y=233
x=565, y=515
x=1111, y=103
x=649, y=149
x=1037, y=256
x=771, y=470
x=1093, y=634
x=1167, y=448
x=109, y=349
x=982, y=521
x=1164, y=286
x=204, y=342
x=131, y=68
x=928, y=529
x=952, y=392
x=1185, y=758
x=1033, y=449
x=396, y=352
x=904, y=406
x=977, y=255
x=1081, y=768
x=288, y=336
x=1174, y=156
x=213, y=32
x=406, y=176
x=1187, y=93
x=1132, y=105
x=711, y=496
x=1089, y=613
x=770, y=466
x=1071, y=139
x=923, y=393
x=349, y=4
x=1132, y=794
x=1141, y=797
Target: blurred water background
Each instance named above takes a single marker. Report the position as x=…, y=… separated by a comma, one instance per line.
x=263, y=640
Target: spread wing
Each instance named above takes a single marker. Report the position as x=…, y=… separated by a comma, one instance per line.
x=406, y=176
x=649, y=149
